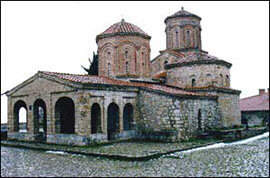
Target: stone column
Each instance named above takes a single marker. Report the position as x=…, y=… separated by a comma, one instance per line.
x=121, y=126
x=11, y=120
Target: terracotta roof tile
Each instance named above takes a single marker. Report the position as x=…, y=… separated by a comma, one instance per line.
x=255, y=103
x=124, y=28
x=91, y=79
x=182, y=13
x=197, y=57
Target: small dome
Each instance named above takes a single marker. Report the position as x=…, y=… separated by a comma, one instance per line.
x=123, y=28
x=182, y=13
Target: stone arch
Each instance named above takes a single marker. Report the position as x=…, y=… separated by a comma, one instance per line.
x=40, y=117
x=95, y=118
x=112, y=120
x=128, y=116
x=107, y=60
x=18, y=106
x=65, y=115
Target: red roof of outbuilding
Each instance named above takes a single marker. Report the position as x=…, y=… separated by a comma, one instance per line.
x=255, y=103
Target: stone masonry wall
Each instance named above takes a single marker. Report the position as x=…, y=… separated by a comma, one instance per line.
x=204, y=75
x=160, y=112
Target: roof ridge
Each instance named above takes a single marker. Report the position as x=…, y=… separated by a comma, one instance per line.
x=251, y=96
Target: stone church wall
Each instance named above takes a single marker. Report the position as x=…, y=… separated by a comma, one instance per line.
x=160, y=112
x=204, y=75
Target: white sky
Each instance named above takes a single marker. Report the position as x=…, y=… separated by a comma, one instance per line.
x=60, y=36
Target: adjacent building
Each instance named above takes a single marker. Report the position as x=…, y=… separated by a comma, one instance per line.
x=255, y=109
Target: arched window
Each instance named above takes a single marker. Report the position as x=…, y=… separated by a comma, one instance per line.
x=199, y=120
x=176, y=39
x=227, y=81
x=188, y=38
x=165, y=62
x=109, y=69
x=193, y=82
x=126, y=54
x=128, y=116
x=127, y=70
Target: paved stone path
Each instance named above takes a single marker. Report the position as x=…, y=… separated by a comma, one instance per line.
x=250, y=159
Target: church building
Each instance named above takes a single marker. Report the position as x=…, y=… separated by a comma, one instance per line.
x=181, y=93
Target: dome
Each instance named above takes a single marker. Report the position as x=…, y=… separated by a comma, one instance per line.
x=123, y=28
x=182, y=13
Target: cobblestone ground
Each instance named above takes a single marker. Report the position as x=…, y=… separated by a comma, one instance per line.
x=250, y=159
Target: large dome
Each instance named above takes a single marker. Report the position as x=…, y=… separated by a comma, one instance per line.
x=123, y=28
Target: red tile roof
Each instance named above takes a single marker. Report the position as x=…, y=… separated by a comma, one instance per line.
x=199, y=57
x=255, y=103
x=182, y=13
x=91, y=79
x=123, y=28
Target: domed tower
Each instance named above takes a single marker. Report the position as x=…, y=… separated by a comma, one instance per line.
x=183, y=31
x=124, y=51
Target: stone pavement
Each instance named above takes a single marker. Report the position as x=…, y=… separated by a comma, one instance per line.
x=251, y=159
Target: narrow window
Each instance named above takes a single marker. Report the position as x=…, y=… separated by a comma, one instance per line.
x=188, y=38
x=109, y=69
x=127, y=67
x=227, y=80
x=126, y=54
x=176, y=39
x=193, y=82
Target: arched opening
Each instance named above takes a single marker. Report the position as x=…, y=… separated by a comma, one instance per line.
x=109, y=69
x=128, y=116
x=65, y=116
x=199, y=120
x=188, y=42
x=127, y=70
x=193, y=82
x=40, y=117
x=176, y=39
x=95, y=119
x=227, y=81
x=20, y=117
x=113, y=120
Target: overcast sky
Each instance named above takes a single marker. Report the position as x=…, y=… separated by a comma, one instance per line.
x=60, y=36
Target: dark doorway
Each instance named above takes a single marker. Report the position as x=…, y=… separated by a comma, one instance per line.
x=199, y=120
x=95, y=119
x=20, y=117
x=40, y=118
x=65, y=115
x=113, y=121
x=128, y=116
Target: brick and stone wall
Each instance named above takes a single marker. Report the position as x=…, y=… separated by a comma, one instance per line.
x=228, y=104
x=255, y=118
x=157, y=64
x=183, y=32
x=160, y=112
x=204, y=75
x=124, y=56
